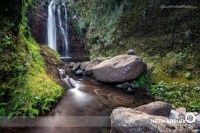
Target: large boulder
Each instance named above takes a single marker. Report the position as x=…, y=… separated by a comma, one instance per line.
x=90, y=65
x=127, y=120
x=119, y=69
x=158, y=108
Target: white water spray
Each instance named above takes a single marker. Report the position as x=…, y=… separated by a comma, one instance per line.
x=52, y=26
x=63, y=27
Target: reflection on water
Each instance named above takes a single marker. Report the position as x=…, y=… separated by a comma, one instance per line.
x=78, y=93
x=80, y=96
x=86, y=99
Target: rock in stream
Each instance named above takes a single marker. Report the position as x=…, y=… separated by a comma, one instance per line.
x=119, y=69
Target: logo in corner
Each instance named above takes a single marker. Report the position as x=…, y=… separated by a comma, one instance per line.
x=190, y=118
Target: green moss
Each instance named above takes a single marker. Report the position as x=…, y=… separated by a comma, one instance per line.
x=25, y=87
x=41, y=90
x=32, y=91
x=52, y=61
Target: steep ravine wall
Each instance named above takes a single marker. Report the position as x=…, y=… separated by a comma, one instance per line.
x=25, y=87
x=38, y=22
x=38, y=15
x=156, y=31
x=164, y=32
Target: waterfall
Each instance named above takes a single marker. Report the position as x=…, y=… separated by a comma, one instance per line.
x=66, y=30
x=52, y=26
x=62, y=27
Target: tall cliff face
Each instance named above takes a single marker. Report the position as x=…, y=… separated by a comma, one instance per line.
x=38, y=16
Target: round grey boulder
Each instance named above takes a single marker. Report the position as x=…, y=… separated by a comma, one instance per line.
x=121, y=68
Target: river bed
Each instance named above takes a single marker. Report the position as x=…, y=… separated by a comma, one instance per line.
x=83, y=109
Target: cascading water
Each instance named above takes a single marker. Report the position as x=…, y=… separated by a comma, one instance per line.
x=53, y=37
x=52, y=26
x=63, y=29
x=66, y=30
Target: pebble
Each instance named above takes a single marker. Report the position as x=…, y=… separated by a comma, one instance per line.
x=131, y=52
x=129, y=89
x=79, y=72
x=173, y=115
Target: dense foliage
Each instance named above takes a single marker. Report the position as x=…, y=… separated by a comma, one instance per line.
x=25, y=88
x=178, y=94
x=167, y=38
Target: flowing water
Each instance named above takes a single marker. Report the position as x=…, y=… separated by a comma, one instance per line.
x=84, y=108
x=51, y=25
x=58, y=10
x=63, y=29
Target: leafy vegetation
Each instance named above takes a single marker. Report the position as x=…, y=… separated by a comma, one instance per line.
x=25, y=87
x=181, y=95
x=142, y=81
x=167, y=39
x=98, y=17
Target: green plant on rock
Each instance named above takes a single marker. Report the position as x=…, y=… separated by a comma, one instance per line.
x=142, y=81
